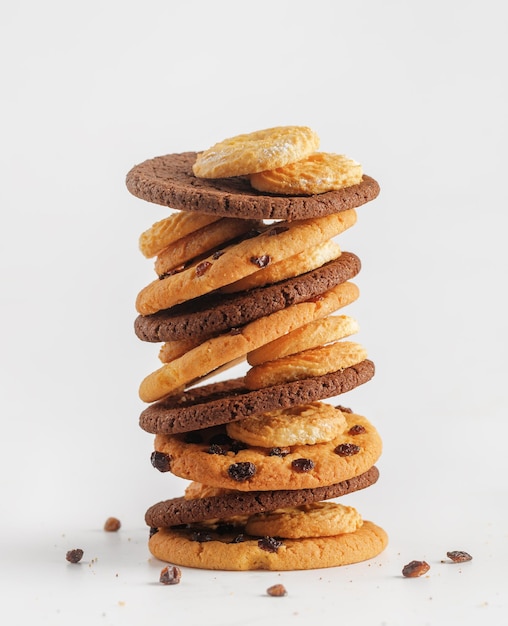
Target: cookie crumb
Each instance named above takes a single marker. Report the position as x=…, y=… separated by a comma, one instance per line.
x=415, y=569
x=112, y=524
x=170, y=575
x=74, y=556
x=277, y=590
x=459, y=556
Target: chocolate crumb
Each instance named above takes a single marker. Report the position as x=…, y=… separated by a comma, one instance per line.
x=459, y=556
x=270, y=544
x=74, y=556
x=112, y=524
x=415, y=569
x=217, y=254
x=241, y=471
x=170, y=575
x=302, y=465
x=161, y=461
x=277, y=591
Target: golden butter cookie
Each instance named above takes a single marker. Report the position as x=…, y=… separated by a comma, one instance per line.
x=315, y=174
x=165, y=232
x=202, y=242
x=295, y=265
x=257, y=151
x=214, y=503
x=222, y=551
x=275, y=243
x=318, y=519
x=218, y=351
x=312, y=362
x=312, y=335
x=216, y=460
x=312, y=423
x=168, y=180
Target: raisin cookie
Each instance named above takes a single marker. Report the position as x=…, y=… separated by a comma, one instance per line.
x=213, y=458
x=236, y=551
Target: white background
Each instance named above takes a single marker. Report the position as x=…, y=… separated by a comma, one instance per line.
x=415, y=91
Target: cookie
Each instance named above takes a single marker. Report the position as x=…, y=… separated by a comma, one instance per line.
x=308, y=424
x=170, y=229
x=202, y=242
x=218, y=351
x=317, y=173
x=216, y=313
x=257, y=151
x=273, y=244
x=236, y=551
x=312, y=362
x=169, y=181
x=211, y=457
x=312, y=335
x=177, y=511
x=317, y=519
x=295, y=265
x=226, y=401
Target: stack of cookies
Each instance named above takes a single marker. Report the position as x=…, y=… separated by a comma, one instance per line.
x=249, y=273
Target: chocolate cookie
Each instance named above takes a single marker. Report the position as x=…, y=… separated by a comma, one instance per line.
x=187, y=511
x=169, y=181
x=215, y=313
x=227, y=401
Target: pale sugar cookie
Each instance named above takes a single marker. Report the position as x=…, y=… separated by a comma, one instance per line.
x=312, y=335
x=256, y=151
x=303, y=424
x=315, y=174
x=318, y=519
x=312, y=362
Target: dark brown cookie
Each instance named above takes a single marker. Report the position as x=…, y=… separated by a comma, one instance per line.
x=169, y=181
x=228, y=401
x=185, y=511
x=215, y=313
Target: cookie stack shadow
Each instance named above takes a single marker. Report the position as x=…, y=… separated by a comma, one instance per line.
x=255, y=281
